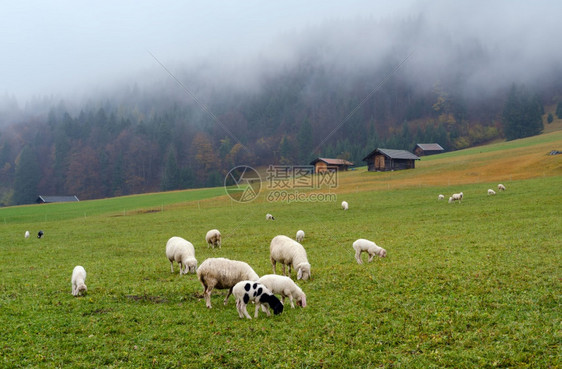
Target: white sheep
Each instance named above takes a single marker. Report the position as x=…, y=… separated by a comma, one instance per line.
x=223, y=274
x=440, y=197
x=491, y=192
x=78, y=281
x=456, y=197
x=501, y=187
x=246, y=291
x=289, y=252
x=213, y=238
x=363, y=245
x=285, y=287
x=300, y=235
x=269, y=217
x=26, y=235
x=182, y=252
x=344, y=205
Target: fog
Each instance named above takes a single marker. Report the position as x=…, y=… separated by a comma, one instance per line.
x=70, y=49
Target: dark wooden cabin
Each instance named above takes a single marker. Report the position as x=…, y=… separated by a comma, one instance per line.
x=428, y=149
x=324, y=164
x=380, y=160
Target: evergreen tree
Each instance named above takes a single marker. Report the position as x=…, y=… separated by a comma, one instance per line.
x=171, y=176
x=27, y=177
x=550, y=118
x=559, y=110
x=305, y=143
x=522, y=114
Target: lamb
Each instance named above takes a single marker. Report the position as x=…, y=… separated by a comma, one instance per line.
x=182, y=252
x=501, y=187
x=456, y=197
x=285, y=287
x=344, y=205
x=223, y=274
x=78, y=279
x=440, y=197
x=363, y=245
x=269, y=217
x=40, y=234
x=491, y=192
x=246, y=291
x=213, y=237
x=300, y=235
x=26, y=235
x=289, y=252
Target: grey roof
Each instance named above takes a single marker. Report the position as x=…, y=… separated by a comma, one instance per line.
x=430, y=147
x=393, y=154
x=56, y=198
x=332, y=161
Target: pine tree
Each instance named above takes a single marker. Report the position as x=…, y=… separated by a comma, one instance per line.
x=522, y=114
x=27, y=177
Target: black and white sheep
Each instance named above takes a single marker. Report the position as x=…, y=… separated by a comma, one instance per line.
x=285, y=287
x=213, y=238
x=78, y=281
x=223, y=274
x=247, y=291
x=300, y=235
x=182, y=252
x=501, y=187
x=269, y=217
x=40, y=234
x=289, y=252
x=363, y=245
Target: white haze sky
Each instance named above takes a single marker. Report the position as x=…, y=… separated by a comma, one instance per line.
x=70, y=47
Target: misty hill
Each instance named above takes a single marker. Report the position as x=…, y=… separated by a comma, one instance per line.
x=323, y=96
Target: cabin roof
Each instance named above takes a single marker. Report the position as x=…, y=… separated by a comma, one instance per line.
x=332, y=161
x=393, y=154
x=48, y=199
x=430, y=147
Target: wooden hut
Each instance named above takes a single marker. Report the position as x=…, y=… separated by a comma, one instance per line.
x=48, y=199
x=428, y=149
x=324, y=164
x=388, y=159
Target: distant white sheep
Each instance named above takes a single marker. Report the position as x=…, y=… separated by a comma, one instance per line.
x=491, y=192
x=300, y=235
x=363, y=245
x=182, y=252
x=213, y=238
x=26, y=235
x=289, y=252
x=285, y=287
x=78, y=281
x=501, y=187
x=269, y=217
x=440, y=197
x=246, y=291
x=456, y=197
x=344, y=205
x=223, y=274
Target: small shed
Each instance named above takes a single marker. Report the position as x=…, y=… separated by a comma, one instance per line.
x=324, y=164
x=49, y=199
x=389, y=159
x=428, y=149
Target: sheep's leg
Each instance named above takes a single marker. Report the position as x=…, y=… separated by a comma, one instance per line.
x=284, y=270
x=358, y=257
x=245, y=311
x=291, y=299
x=228, y=295
x=207, y=294
x=172, y=266
x=239, y=308
x=257, y=309
x=266, y=310
x=273, y=264
x=74, y=292
x=371, y=256
x=289, y=267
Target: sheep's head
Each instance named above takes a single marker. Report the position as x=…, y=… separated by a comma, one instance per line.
x=303, y=271
x=301, y=301
x=382, y=253
x=82, y=288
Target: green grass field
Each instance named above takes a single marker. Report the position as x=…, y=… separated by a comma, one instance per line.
x=476, y=284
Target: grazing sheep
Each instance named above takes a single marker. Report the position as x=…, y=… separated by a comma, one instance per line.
x=77, y=281
x=363, y=245
x=223, y=274
x=300, y=235
x=285, y=287
x=246, y=291
x=456, y=197
x=40, y=234
x=26, y=235
x=450, y=199
x=213, y=237
x=491, y=192
x=289, y=252
x=440, y=197
x=269, y=217
x=344, y=205
x=501, y=187
x=183, y=253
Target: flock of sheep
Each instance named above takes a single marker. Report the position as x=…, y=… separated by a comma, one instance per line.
x=458, y=196
x=239, y=277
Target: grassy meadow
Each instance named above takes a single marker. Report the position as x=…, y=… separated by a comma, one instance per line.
x=475, y=284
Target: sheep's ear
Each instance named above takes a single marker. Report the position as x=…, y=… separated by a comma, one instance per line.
x=299, y=274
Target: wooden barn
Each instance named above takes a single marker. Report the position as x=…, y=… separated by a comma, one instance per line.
x=428, y=149
x=387, y=159
x=324, y=164
x=48, y=199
